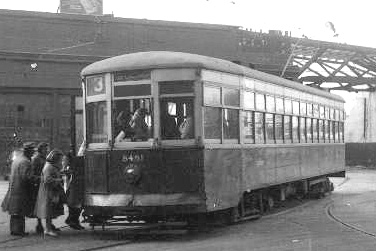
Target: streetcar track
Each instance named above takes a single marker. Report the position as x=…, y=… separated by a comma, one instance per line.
x=11, y=239
x=106, y=246
x=19, y=238
x=151, y=230
x=104, y=235
x=330, y=214
x=144, y=230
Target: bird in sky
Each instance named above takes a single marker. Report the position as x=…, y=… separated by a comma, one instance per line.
x=330, y=25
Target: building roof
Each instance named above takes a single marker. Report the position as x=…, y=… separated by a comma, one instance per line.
x=168, y=59
x=108, y=18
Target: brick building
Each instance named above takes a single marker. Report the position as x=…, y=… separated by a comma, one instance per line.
x=42, y=54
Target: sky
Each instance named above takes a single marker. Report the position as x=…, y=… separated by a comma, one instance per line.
x=352, y=19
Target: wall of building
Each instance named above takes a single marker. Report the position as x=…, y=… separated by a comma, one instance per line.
x=109, y=36
x=361, y=119
x=360, y=134
x=37, y=103
x=355, y=121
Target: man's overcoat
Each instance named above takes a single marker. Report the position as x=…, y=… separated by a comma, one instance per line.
x=17, y=199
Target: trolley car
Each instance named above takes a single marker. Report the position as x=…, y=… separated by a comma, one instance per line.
x=172, y=134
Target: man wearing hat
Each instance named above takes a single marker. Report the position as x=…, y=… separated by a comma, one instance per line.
x=17, y=200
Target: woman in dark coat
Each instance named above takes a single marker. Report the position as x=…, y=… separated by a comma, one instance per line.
x=17, y=199
x=49, y=203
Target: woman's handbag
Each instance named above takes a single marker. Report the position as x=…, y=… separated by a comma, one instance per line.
x=59, y=196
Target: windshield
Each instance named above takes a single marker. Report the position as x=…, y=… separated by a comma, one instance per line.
x=97, y=122
x=177, y=118
x=133, y=120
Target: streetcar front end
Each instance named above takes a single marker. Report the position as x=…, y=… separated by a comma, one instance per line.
x=143, y=158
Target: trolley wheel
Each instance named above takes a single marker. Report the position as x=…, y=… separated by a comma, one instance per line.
x=268, y=203
x=151, y=220
x=197, y=220
x=234, y=215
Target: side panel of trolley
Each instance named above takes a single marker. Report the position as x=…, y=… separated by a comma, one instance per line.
x=230, y=172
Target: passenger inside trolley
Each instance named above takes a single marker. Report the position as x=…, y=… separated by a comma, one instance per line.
x=176, y=118
x=133, y=126
x=186, y=127
x=169, y=128
x=139, y=126
x=122, y=126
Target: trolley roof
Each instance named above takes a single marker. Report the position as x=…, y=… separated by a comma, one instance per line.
x=169, y=59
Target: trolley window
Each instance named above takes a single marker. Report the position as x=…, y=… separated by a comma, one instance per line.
x=270, y=104
x=315, y=130
x=321, y=130
x=337, y=115
x=279, y=128
x=97, y=113
x=309, y=130
x=287, y=128
x=302, y=130
x=327, y=130
x=259, y=128
x=331, y=113
x=177, y=120
x=260, y=102
x=288, y=106
x=340, y=132
x=249, y=100
x=303, y=108
x=295, y=107
x=133, y=120
x=221, y=114
x=231, y=97
x=249, y=126
x=295, y=129
x=177, y=109
x=212, y=95
x=279, y=105
x=322, y=112
x=332, y=131
x=315, y=110
x=309, y=110
x=269, y=127
x=230, y=124
x=212, y=124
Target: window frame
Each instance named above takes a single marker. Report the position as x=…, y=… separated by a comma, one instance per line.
x=222, y=107
x=183, y=95
x=252, y=139
x=302, y=131
x=103, y=97
x=133, y=144
x=278, y=140
x=260, y=140
x=267, y=139
x=297, y=132
x=289, y=129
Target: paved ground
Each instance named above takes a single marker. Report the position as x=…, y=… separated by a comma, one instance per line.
x=345, y=220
